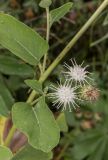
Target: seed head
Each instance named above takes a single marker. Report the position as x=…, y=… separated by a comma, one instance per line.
x=77, y=73
x=90, y=93
x=64, y=95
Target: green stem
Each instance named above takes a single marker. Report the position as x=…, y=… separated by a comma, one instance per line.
x=48, y=24
x=47, y=37
x=58, y=59
x=40, y=68
x=69, y=46
x=62, y=151
x=10, y=136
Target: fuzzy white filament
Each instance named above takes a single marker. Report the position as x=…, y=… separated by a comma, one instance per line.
x=77, y=73
x=64, y=95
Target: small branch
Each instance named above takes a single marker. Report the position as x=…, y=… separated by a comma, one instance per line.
x=40, y=68
x=10, y=136
x=47, y=37
x=62, y=151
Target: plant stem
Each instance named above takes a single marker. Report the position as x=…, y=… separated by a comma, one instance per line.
x=69, y=46
x=58, y=59
x=10, y=136
x=62, y=151
x=48, y=24
x=47, y=37
x=41, y=68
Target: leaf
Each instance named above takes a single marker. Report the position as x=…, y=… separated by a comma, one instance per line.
x=5, y=153
x=35, y=85
x=37, y=123
x=58, y=13
x=99, y=151
x=15, y=82
x=45, y=3
x=100, y=106
x=105, y=157
x=12, y=66
x=30, y=153
x=3, y=108
x=70, y=118
x=86, y=144
x=21, y=40
x=6, y=96
x=2, y=126
x=61, y=120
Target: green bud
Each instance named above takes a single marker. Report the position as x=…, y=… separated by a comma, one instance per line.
x=45, y=3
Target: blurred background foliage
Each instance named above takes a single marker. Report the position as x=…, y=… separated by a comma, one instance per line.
x=84, y=133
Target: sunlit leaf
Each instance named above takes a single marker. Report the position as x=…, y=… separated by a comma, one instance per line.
x=5, y=153
x=2, y=126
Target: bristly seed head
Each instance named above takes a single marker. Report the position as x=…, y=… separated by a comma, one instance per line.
x=64, y=95
x=90, y=93
x=77, y=73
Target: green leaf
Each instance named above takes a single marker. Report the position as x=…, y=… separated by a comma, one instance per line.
x=58, y=13
x=3, y=108
x=6, y=96
x=15, y=82
x=99, y=151
x=45, y=3
x=106, y=152
x=86, y=144
x=100, y=106
x=61, y=120
x=21, y=40
x=5, y=153
x=70, y=118
x=12, y=66
x=30, y=153
x=37, y=123
x=35, y=85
